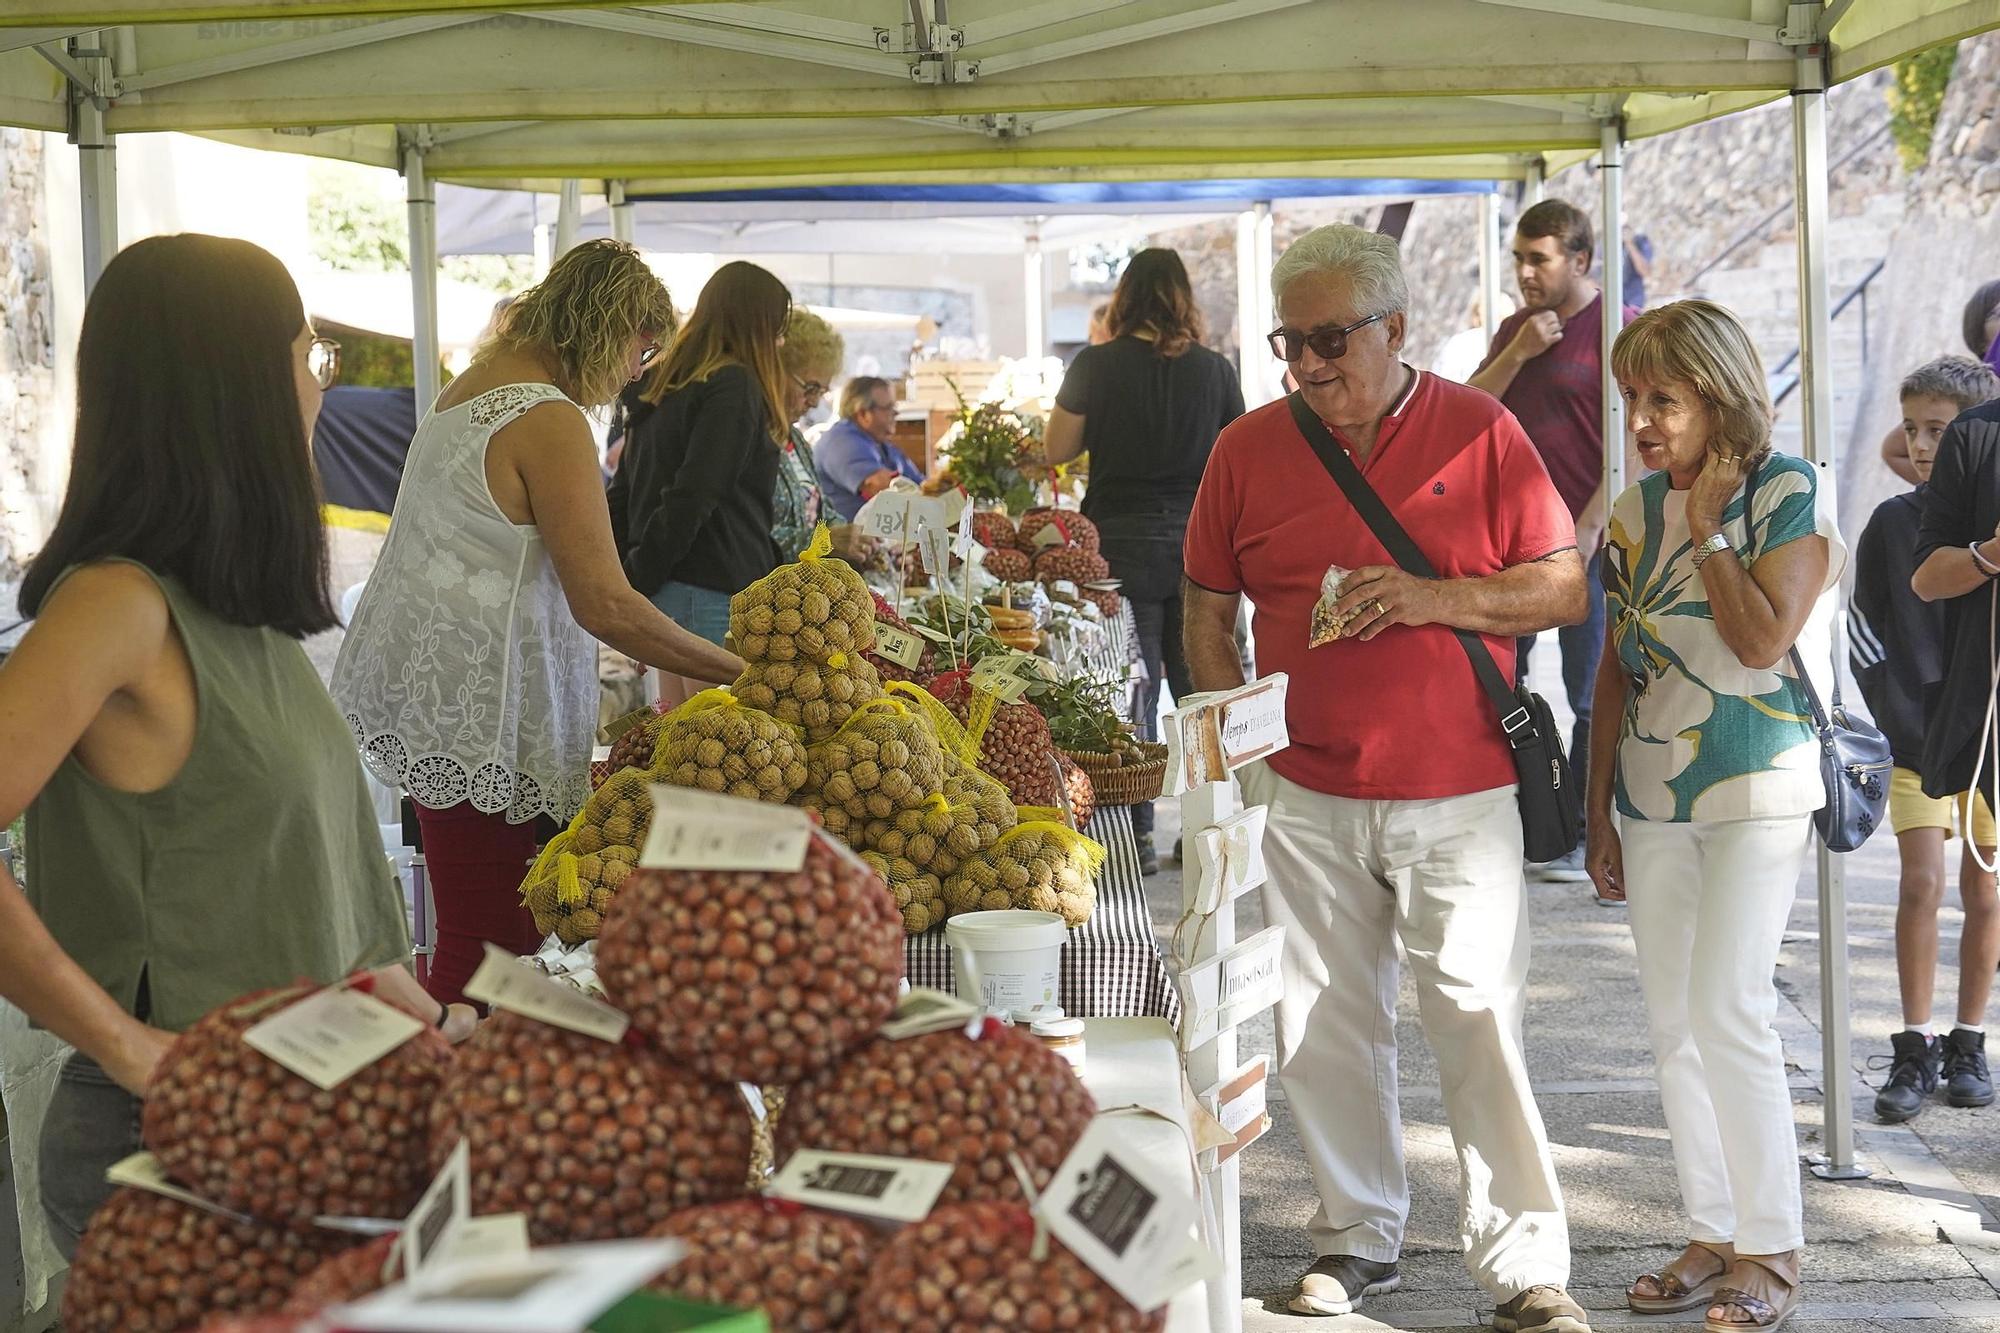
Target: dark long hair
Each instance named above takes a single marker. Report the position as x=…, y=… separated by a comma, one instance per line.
x=738, y=319
x=1155, y=294
x=1976, y=310
x=191, y=455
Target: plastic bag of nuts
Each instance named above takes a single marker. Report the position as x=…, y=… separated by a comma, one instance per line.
x=150, y=1264
x=714, y=743
x=1067, y=529
x=572, y=883
x=971, y=1268
x=593, y=1140
x=802, y=1267
x=810, y=611
x=884, y=759
x=948, y=1098
x=1039, y=866
x=241, y=1130
x=348, y=1276
x=756, y=976
x=813, y=697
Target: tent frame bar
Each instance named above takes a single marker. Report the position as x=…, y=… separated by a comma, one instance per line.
x=1002, y=26
x=757, y=18
x=304, y=48
x=1617, y=11
x=1190, y=21
x=725, y=37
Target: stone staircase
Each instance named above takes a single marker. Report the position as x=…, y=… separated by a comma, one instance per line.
x=1764, y=295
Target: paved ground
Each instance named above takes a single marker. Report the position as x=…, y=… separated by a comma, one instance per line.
x=1915, y=1246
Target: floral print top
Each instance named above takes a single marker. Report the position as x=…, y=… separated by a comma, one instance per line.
x=796, y=507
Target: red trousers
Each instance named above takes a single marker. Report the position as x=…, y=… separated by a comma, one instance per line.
x=476, y=864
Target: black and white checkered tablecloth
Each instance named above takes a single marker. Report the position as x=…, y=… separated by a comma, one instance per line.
x=1111, y=966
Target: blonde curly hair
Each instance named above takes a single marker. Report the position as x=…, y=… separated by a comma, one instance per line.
x=584, y=315
x=1699, y=343
x=812, y=344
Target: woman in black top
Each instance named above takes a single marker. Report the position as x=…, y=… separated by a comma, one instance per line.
x=691, y=503
x=1147, y=406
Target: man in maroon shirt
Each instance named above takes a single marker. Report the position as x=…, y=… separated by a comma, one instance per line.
x=1546, y=364
x=1392, y=815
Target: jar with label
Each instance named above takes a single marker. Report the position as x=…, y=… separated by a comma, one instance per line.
x=1062, y=1035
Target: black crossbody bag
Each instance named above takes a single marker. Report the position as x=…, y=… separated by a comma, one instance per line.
x=1551, y=805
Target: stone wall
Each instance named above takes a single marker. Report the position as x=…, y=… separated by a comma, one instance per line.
x=27, y=345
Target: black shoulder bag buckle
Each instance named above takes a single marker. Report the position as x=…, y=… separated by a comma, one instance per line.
x=1551, y=805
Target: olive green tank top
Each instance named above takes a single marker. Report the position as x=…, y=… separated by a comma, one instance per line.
x=259, y=864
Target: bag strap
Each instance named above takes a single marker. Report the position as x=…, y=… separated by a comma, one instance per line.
x=1820, y=720
x=1515, y=719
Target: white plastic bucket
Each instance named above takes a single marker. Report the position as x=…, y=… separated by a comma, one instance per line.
x=1008, y=961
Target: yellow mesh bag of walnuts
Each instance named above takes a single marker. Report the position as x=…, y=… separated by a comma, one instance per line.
x=813, y=697
x=885, y=758
x=714, y=742
x=580, y=870
x=919, y=894
x=814, y=610
x=1038, y=866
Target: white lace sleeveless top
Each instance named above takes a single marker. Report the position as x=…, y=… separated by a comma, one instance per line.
x=463, y=674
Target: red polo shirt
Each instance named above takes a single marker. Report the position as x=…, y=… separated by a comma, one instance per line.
x=1400, y=717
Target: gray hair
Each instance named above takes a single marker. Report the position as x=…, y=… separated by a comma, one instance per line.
x=1369, y=259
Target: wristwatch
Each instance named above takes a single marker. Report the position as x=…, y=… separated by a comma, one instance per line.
x=1718, y=542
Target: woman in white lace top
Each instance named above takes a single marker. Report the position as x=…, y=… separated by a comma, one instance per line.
x=469, y=673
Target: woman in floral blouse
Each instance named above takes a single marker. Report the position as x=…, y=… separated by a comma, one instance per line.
x=811, y=357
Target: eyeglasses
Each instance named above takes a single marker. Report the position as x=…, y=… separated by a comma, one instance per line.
x=323, y=361
x=1288, y=345
x=647, y=353
x=812, y=389
x=873, y=406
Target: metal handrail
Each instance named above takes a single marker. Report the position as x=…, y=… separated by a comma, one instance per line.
x=1763, y=224
x=1858, y=292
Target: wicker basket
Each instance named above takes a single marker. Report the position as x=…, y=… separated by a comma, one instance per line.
x=1124, y=784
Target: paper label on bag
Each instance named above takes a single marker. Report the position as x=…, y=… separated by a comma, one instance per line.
x=1050, y=534
x=923, y=1011
x=476, y=1238
x=899, y=646
x=504, y=982
x=332, y=1034
x=142, y=1171
x=1126, y=1216
x=1010, y=675
x=443, y=1210
x=933, y=635
x=702, y=831
x=934, y=550
x=555, y=1289
x=891, y=1189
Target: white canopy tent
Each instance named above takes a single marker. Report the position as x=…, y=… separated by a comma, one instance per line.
x=645, y=99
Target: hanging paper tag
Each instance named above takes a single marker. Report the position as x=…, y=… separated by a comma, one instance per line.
x=892, y=1189
x=703, y=831
x=1126, y=1216
x=444, y=1208
x=143, y=1171
x=933, y=635
x=1050, y=534
x=612, y=730
x=1010, y=675
x=899, y=646
x=332, y=1034
x=557, y=1289
x=934, y=550
x=477, y=1238
x=924, y=1010
x=504, y=982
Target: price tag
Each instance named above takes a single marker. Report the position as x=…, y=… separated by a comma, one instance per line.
x=924, y=1010
x=638, y=717
x=702, y=831
x=143, y=1171
x=933, y=635
x=1051, y=534
x=1018, y=671
x=497, y=1236
x=1005, y=688
x=505, y=982
x=898, y=646
x=1125, y=1216
x=333, y=1034
x=964, y=544
x=444, y=1209
x=557, y=1289
x=934, y=551
x=892, y=1189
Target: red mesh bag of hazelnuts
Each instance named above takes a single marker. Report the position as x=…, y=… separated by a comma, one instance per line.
x=150, y=1264
x=347, y=1276
x=592, y=1140
x=238, y=1128
x=947, y=1098
x=756, y=976
x=802, y=1267
x=971, y=1268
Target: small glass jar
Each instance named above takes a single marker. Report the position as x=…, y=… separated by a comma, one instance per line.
x=1064, y=1036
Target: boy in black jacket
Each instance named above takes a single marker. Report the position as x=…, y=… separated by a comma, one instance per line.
x=1897, y=647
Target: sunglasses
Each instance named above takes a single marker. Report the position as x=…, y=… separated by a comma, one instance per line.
x=323, y=361
x=1329, y=344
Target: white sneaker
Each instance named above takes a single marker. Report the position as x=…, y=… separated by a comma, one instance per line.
x=1563, y=870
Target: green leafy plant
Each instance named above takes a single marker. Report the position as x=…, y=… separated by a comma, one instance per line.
x=1915, y=98
x=1082, y=716
x=992, y=454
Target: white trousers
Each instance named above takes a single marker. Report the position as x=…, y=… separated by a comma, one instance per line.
x=1348, y=879
x=1708, y=903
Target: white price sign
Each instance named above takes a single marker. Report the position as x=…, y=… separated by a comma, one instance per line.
x=1213, y=735
x=704, y=831
x=332, y=1035
x=891, y=1189
x=558, y=1289
x=894, y=514
x=443, y=1210
x=505, y=982
x=924, y=1010
x=1241, y=1103
x=899, y=646
x=1127, y=1216
x=143, y=1171
x=1222, y=991
x=1010, y=675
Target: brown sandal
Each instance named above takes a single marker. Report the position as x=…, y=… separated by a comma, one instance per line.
x=1756, y=1313
x=1676, y=1295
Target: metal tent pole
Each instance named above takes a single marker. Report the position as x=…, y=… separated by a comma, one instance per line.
x=423, y=274
x=1269, y=384
x=1251, y=354
x=623, y=223
x=1533, y=181
x=1489, y=263
x=97, y=160
x=1034, y=289
x=569, y=216
x=1809, y=169
x=1611, y=246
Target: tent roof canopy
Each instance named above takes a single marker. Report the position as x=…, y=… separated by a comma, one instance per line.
x=731, y=95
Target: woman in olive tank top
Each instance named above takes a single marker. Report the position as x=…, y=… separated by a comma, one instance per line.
x=197, y=822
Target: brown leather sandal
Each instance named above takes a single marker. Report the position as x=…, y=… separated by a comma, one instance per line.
x=1776, y=1276
x=1675, y=1292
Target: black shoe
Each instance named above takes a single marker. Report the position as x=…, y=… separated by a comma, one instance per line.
x=1149, y=860
x=1967, y=1082
x=1913, y=1076
x=1339, y=1283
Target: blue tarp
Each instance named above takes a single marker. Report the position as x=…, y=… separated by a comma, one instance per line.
x=1107, y=195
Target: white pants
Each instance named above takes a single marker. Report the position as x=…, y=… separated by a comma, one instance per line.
x=1708, y=903
x=1347, y=880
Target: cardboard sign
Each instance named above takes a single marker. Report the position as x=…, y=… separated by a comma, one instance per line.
x=902, y=647
x=558, y=1289
x=894, y=514
x=1127, y=1216
x=1213, y=735
x=703, y=831
x=1220, y=992
x=143, y=1171
x=505, y=982
x=923, y=1011
x=889, y=1189
x=444, y=1209
x=332, y=1035
x=1232, y=861
x=1241, y=1103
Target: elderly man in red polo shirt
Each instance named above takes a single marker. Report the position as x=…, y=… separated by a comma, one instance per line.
x=1393, y=814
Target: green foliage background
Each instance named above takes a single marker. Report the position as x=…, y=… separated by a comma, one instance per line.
x=1914, y=99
